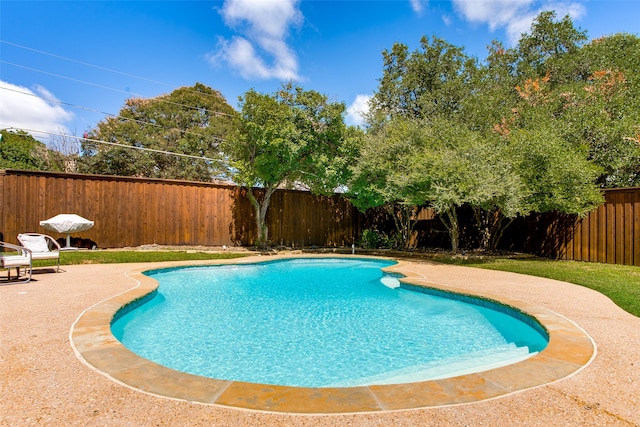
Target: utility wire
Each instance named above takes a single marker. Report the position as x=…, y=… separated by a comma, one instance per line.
x=86, y=64
x=216, y=113
x=143, y=122
x=62, y=77
x=100, y=68
x=78, y=138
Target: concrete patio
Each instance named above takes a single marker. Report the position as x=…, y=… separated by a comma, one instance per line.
x=45, y=382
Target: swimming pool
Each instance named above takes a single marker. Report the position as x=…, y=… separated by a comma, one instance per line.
x=319, y=323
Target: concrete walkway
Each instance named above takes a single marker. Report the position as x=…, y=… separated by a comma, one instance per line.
x=45, y=383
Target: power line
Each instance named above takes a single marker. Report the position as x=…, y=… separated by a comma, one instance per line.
x=143, y=122
x=119, y=117
x=61, y=76
x=217, y=113
x=114, y=144
x=111, y=70
x=98, y=67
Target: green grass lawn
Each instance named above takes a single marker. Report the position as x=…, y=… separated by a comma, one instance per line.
x=621, y=283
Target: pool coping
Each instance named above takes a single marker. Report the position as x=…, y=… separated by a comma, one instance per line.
x=570, y=349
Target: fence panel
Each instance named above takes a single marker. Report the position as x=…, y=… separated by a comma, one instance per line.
x=134, y=211
x=609, y=234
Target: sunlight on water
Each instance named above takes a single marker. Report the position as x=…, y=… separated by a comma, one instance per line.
x=316, y=323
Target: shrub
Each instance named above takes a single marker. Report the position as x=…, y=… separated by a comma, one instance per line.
x=373, y=239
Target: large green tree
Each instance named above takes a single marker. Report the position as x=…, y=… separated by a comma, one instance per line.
x=380, y=177
x=458, y=167
x=416, y=90
x=599, y=101
x=20, y=150
x=190, y=122
x=437, y=163
x=430, y=81
x=288, y=137
x=501, y=136
x=548, y=42
x=589, y=91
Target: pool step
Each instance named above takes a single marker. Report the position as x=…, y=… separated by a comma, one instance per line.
x=447, y=368
x=390, y=282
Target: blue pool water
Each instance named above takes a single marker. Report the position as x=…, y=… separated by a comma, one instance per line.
x=317, y=323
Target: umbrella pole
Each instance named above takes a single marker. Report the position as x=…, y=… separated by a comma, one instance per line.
x=68, y=247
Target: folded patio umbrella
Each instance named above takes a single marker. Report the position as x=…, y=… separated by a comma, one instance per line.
x=67, y=224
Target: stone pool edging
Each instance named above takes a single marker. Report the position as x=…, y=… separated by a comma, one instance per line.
x=569, y=350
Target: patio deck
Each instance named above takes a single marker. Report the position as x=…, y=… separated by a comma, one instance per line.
x=44, y=381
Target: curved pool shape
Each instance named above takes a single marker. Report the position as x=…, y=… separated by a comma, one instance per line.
x=320, y=323
x=569, y=351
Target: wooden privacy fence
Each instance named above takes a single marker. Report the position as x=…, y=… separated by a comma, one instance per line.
x=134, y=211
x=609, y=234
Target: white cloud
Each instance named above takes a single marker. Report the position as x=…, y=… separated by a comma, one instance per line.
x=496, y=13
x=514, y=16
x=417, y=6
x=358, y=109
x=261, y=50
x=24, y=108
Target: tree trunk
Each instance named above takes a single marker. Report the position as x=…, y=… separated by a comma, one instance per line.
x=491, y=225
x=484, y=224
x=408, y=225
x=497, y=235
x=401, y=215
x=261, y=209
x=453, y=227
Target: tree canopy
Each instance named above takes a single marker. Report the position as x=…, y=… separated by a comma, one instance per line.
x=590, y=91
x=290, y=136
x=20, y=150
x=427, y=82
x=535, y=128
x=599, y=105
x=190, y=121
x=380, y=176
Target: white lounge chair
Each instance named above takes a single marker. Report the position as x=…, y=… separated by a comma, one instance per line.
x=16, y=257
x=41, y=246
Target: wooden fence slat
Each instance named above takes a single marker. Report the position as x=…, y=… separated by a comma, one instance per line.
x=619, y=229
x=628, y=229
x=611, y=235
x=635, y=245
x=595, y=238
x=576, y=240
x=602, y=233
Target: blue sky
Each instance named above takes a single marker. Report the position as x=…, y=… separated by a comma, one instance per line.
x=65, y=65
